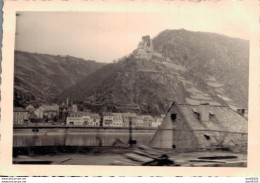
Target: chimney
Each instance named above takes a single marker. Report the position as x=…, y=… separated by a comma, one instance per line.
x=204, y=112
x=241, y=112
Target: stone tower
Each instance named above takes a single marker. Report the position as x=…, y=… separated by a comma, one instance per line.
x=145, y=48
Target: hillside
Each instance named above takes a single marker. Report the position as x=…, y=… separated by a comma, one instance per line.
x=188, y=67
x=40, y=77
x=128, y=83
x=214, y=62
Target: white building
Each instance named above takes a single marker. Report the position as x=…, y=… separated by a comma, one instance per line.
x=139, y=121
x=157, y=122
x=39, y=112
x=107, y=119
x=117, y=119
x=95, y=119
x=91, y=120
x=78, y=121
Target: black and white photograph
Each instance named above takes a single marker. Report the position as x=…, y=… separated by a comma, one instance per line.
x=131, y=88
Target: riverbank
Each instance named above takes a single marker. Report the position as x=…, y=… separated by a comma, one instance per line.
x=188, y=159
x=61, y=126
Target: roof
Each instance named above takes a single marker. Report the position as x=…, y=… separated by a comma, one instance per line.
x=107, y=113
x=79, y=113
x=129, y=114
x=19, y=109
x=50, y=107
x=225, y=119
x=224, y=125
x=94, y=115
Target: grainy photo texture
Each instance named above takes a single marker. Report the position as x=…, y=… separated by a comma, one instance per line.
x=130, y=89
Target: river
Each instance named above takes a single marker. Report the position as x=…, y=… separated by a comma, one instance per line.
x=28, y=137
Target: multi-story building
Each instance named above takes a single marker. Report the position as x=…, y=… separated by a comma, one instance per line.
x=107, y=119
x=117, y=119
x=78, y=113
x=79, y=121
x=147, y=120
x=87, y=120
x=95, y=119
x=20, y=115
x=139, y=121
x=129, y=118
x=47, y=111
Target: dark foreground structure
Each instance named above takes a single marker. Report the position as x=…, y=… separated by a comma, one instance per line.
x=202, y=127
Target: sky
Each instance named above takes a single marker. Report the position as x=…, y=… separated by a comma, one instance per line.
x=107, y=36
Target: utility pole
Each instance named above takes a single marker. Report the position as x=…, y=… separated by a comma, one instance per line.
x=130, y=132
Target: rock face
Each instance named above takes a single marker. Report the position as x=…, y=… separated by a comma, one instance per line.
x=38, y=78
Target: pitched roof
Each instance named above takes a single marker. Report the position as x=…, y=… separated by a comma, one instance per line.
x=19, y=109
x=224, y=125
x=94, y=115
x=50, y=107
x=225, y=119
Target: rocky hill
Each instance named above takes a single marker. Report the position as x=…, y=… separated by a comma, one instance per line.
x=40, y=77
x=188, y=67
x=215, y=63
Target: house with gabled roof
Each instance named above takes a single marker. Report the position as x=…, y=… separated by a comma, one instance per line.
x=202, y=127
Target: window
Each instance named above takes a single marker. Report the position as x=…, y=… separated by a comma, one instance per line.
x=173, y=117
x=207, y=137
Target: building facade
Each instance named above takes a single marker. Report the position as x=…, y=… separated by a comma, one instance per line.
x=20, y=115
x=117, y=119
x=107, y=119
x=77, y=121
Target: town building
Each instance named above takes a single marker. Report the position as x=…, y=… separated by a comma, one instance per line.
x=202, y=127
x=147, y=121
x=39, y=112
x=157, y=121
x=78, y=113
x=129, y=117
x=87, y=120
x=139, y=121
x=74, y=108
x=117, y=119
x=107, y=118
x=30, y=108
x=94, y=119
x=20, y=115
x=77, y=121
x=47, y=111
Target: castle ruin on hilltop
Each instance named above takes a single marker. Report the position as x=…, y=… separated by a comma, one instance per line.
x=144, y=49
